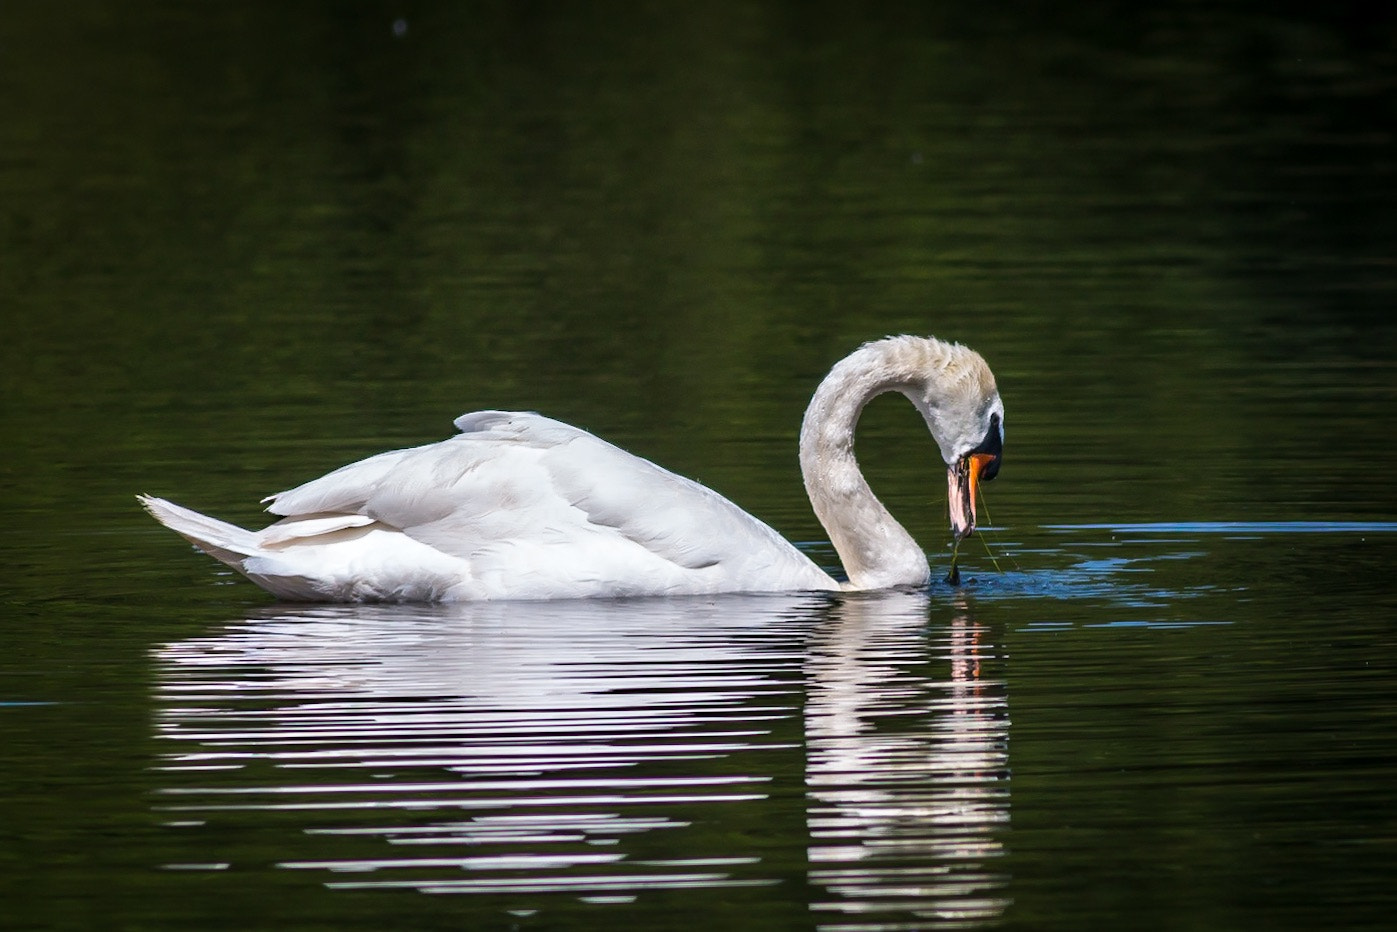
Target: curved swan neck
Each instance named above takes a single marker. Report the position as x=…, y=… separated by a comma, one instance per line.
x=876, y=550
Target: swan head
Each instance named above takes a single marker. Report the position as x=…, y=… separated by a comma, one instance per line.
x=960, y=402
x=963, y=477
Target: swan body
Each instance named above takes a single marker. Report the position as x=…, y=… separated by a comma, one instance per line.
x=520, y=506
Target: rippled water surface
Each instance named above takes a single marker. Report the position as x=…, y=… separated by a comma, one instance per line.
x=1122, y=722
x=739, y=753
x=244, y=245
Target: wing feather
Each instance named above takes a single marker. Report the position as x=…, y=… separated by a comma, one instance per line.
x=515, y=482
x=346, y=490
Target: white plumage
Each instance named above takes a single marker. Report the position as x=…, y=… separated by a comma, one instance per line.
x=520, y=506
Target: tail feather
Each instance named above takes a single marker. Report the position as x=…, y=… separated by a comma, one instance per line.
x=219, y=539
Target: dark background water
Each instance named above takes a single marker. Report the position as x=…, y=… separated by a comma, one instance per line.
x=243, y=244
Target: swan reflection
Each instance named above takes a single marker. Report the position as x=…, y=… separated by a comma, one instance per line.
x=907, y=768
x=601, y=750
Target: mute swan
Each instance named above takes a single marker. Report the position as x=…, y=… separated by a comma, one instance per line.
x=518, y=506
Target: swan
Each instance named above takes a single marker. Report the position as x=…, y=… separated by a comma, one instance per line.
x=520, y=506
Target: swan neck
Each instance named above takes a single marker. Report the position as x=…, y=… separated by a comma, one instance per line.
x=877, y=552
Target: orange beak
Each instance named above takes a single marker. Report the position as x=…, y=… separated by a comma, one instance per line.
x=962, y=488
x=978, y=462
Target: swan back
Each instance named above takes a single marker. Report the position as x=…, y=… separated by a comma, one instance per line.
x=531, y=507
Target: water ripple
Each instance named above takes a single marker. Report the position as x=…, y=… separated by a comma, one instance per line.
x=905, y=820
x=602, y=751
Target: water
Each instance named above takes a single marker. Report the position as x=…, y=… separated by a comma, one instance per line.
x=243, y=247
x=731, y=746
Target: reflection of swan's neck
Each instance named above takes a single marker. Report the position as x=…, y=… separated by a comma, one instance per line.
x=877, y=552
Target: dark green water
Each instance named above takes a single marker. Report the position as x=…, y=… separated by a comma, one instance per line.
x=242, y=245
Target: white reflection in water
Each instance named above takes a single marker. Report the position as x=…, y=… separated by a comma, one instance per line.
x=907, y=769
x=601, y=749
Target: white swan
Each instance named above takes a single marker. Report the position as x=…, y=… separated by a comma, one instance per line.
x=518, y=506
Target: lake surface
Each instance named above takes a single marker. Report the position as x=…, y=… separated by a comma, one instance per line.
x=243, y=247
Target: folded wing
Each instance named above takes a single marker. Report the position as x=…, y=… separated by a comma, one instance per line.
x=538, y=506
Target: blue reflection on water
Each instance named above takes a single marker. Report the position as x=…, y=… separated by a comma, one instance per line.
x=1164, y=575
x=1237, y=527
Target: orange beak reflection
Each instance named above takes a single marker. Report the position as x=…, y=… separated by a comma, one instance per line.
x=962, y=488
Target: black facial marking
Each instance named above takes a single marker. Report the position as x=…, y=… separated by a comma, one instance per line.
x=993, y=445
